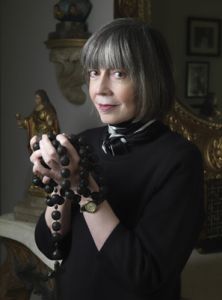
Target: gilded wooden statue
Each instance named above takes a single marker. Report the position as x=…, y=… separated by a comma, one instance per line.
x=43, y=118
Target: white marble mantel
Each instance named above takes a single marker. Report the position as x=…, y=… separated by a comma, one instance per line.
x=22, y=232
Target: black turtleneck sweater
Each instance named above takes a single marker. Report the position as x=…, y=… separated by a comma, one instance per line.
x=156, y=190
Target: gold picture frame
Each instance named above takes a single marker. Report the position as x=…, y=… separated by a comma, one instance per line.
x=138, y=9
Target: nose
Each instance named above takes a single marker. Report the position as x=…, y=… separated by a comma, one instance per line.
x=103, y=84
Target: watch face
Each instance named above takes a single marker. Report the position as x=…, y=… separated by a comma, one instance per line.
x=90, y=207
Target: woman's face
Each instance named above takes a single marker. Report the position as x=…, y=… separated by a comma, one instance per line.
x=38, y=99
x=113, y=94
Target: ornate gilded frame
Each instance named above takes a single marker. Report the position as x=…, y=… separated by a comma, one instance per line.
x=138, y=9
x=207, y=135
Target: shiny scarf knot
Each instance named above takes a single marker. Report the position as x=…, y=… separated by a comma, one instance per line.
x=118, y=139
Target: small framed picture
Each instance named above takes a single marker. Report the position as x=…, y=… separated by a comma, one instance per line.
x=203, y=36
x=197, y=79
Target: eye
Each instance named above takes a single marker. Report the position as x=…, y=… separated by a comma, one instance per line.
x=93, y=73
x=119, y=74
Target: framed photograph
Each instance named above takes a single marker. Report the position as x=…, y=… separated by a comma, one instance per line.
x=197, y=79
x=203, y=36
x=138, y=9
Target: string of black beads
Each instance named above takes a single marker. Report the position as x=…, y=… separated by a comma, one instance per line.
x=55, y=197
x=88, y=165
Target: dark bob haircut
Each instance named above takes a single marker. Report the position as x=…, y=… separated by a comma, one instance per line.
x=142, y=52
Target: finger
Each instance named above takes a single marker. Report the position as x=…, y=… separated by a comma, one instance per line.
x=33, y=140
x=70, y=148
x=35, y=156
x=39, y=170
x=49, y=154
x=35, y=171
x=45, y=179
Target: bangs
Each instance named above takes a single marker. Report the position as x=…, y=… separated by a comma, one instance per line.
x=103, y=52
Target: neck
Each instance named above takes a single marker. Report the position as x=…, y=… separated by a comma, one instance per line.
x=126, y=124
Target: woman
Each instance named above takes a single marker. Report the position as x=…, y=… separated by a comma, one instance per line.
x=136, y=242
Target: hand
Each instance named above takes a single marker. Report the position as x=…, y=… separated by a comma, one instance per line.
x=48, y=154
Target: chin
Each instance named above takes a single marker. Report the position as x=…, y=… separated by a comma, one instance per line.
x=112, y=120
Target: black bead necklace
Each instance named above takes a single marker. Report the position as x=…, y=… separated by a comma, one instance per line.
x=57, y=196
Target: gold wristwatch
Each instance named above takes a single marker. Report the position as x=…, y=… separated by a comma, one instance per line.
x=90, y=207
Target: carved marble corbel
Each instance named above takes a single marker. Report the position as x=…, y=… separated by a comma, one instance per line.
x=65, y=54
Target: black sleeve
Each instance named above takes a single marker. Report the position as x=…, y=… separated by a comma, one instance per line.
x=158, y=247
x=44, y=242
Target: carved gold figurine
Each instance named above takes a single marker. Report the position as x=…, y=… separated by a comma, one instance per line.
x=43, y=119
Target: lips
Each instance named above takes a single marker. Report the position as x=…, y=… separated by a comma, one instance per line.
x=106, y=107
